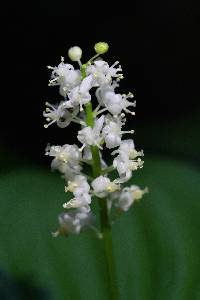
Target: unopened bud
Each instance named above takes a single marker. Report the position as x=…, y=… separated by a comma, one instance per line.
x=101, y=47
x=75, y=53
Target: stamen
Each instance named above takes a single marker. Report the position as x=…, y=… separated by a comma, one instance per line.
x=77, y=119
x=130, y=95
x=130, y=131
x=50, y=105
x=97, y=232
x=55, y=234
x=98, y=146
x=81, y=149
x=65, y=205
x=97, y=108
x=120, y=76
x=128, y=111
x=100, y=111
x=47, y=125
x=115, y=63
x=53, y=80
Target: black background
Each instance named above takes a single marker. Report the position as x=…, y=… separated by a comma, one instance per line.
x=157, y=45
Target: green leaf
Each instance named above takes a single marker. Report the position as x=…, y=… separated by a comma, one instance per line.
x=157, y=243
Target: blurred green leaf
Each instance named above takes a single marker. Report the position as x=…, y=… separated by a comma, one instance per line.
x=157, y=243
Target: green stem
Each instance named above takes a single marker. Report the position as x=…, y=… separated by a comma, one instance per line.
x=89, y=115
x=108, y=248
x=104, y=218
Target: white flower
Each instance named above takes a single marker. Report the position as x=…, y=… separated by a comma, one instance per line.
x=102, y=90
x=136, y=192
x=75, y=53
x=112, y=132
x=87, y=154
x=73, y=222
x=101, y=72
x=128, y=196
x=67, y=153
x=115, y=103
x=83, y=200
x=125, y=166
x=68, y=171
x=80, y=94
x=65, y=76
x=102, y=186
x=59, y=114
x=128, y=147
x=78, y=186
x=91, y=135
x=66, y=159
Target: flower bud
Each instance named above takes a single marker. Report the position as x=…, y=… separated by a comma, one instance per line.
x=101, y=47
x=75, y=53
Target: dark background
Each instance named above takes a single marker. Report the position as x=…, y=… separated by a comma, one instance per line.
x=156, y=43
x=156, y=243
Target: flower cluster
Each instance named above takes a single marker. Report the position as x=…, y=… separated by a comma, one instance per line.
x=100, y=127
